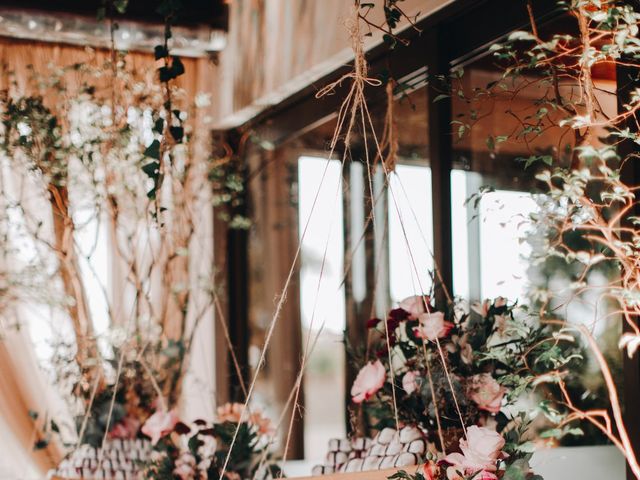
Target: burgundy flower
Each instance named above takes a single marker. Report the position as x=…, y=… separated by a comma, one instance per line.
x=398, y=315
x=373, y=322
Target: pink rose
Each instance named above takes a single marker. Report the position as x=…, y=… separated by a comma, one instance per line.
x=486, y=392
x=409, y=383
x=432, y=326
x=480, y=451
x=127, y=428
x=484, y=475
x=159, y=424
x=370, y=379
x=415, y=305
x=431, y=470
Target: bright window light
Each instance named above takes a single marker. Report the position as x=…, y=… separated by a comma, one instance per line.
x=410, y=231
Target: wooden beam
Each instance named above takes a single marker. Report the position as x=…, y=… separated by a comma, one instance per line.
x=370, y=475
x=301, y=112
x=440, y=159
x=274, y=240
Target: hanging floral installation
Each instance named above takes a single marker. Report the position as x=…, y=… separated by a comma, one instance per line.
x=487, y=352
x=462, y=392
x=586, y=223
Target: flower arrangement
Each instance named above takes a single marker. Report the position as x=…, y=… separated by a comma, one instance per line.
x=483, y=456
x=406, y=364
x=201, y=451
x=493, y=354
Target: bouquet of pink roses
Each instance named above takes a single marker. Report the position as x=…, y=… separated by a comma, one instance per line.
x=446, y=370
x=204, y=450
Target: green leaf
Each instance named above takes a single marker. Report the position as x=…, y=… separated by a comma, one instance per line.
x=518, y=470
x=151, y=169
x=177, y=133
x=158, y=126
x=442, y=96
x=165, y=74
x=160, y=51
x=153, y=150
x=121, y=5
x=491, y=143
x=177, y=67
x=521, y=35
x=54, y=427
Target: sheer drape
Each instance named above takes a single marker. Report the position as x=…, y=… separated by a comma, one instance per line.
x=24, y=386
x=23, y=393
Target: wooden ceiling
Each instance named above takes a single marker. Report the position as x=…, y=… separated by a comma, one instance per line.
x=213, y=13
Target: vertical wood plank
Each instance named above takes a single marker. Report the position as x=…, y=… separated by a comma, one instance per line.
x=360, y=249
x=440, y=158
x=274, y=240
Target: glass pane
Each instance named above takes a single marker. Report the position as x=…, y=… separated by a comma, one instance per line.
x=322, y=301
x=494, y=191
x=490, y=256
x=410, y=231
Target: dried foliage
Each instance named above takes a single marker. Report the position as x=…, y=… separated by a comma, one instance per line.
x=115, y=164
x=582, y=146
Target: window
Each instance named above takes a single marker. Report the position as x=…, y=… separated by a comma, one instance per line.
x=489, y=254
x=322, y=301
x=410, y=231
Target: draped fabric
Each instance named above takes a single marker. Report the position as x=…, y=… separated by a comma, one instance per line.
x=24, y=392
x=25, y=388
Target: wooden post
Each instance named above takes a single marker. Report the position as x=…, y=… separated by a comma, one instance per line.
x=440, y=159
x=360, y=278
x=274, y=240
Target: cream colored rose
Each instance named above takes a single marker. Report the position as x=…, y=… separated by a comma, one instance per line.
x=409, y=382
x=480, y=451
x=432, y=326
x=415, y=305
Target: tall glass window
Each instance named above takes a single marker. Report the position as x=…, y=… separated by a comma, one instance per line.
x=322, y=301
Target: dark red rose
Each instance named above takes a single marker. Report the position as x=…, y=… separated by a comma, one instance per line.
x=373, y=322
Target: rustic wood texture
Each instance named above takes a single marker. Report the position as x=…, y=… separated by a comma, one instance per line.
x=272, y=249
x=370, y=475
x=276, y=48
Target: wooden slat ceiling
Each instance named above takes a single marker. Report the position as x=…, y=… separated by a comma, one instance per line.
x=200, y=27
x=213, y=13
